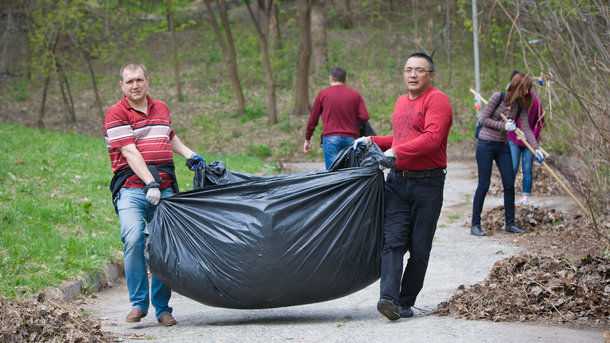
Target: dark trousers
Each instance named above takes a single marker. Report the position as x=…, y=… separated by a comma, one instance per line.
x=412, y=208
x=486, y=153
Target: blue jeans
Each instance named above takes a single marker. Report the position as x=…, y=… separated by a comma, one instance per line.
x=134, y=213
x=412, y=207
x=528, y=162
x=486, y=153
x=333, y=145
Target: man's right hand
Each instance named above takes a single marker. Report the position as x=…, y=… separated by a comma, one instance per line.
x=153, y=192
x=362, y=140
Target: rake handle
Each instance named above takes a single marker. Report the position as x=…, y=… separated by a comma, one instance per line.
x=524, y=140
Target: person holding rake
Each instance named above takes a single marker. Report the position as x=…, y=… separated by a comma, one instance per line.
x=492, y=145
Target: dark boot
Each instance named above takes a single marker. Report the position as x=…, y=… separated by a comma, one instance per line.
x=476, y=231
x=514, y=229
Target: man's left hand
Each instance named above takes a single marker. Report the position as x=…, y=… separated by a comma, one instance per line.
x=193, y=162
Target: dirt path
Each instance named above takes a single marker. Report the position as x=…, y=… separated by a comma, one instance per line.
x=457, y=258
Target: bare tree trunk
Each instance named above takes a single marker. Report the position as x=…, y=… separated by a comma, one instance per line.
x=66, y=93
x=415, y=4
x=172, y=39
x=274, y=27
x=302, y=107
x=241, y=102
x=260, y=26
x=98, y=103
x=318, y=36
x=228, y=50
x=345, y=11
x=447, y=34
x=45, y=90
x=262, y=15
x=63, y=78
x=4, y=41
x=349, y=23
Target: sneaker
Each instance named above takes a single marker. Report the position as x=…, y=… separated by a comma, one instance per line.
x=476, y=231
x=135, y=315
x=514, y=229
x=167, y=319
x=524, y=202
x=388, y=309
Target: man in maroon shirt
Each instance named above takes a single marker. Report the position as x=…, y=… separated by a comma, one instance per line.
x=342, y=109
x=141, y=143
x=414, y=189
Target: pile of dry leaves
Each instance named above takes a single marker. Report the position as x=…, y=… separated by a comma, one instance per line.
x=564, y=277
x=45, y=320
x=533, y=287
x=551, y=232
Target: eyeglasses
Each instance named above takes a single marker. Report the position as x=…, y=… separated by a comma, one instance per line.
x=418, y=71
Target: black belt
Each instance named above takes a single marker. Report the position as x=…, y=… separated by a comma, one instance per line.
x=418, y=174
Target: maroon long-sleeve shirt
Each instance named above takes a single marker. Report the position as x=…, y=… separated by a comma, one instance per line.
x=341, y=108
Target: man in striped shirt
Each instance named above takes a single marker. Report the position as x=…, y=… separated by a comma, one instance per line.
x=141, y=143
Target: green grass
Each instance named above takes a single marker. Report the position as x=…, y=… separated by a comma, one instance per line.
x=56, y=218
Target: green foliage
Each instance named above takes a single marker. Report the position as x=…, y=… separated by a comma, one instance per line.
x=206, y=123
x=56, y=219
x=261, y=151
x=287, y=148
x=253, y=112
x=20, y=90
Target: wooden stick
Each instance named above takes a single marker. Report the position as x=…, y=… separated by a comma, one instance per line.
x=522, y=136
x=478, y=96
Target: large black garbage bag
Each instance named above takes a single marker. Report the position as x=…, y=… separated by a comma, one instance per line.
x=272, y=241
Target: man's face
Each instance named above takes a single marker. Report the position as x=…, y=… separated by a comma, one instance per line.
x=418, y=76
x=134, y=84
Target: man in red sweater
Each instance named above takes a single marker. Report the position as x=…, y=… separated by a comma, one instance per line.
x=414, y=189
x=342, y=109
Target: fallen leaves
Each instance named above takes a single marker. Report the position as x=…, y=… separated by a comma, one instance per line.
x=532, y=287
x=42, y=320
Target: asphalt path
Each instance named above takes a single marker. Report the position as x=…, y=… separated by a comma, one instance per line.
x=457, y=258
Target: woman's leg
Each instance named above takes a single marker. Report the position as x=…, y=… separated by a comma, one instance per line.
x=504, y=162
x=528, y=163
x=484, y=156
x=515, y=153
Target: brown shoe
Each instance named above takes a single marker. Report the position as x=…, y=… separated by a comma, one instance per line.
x=167, y=319
x=135, y=315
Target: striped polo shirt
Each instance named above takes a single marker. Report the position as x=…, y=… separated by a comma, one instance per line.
x=152, y=135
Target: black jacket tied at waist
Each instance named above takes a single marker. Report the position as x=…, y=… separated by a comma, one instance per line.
x=121, y=175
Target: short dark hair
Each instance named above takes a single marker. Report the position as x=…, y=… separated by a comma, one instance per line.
x=338, y=74
x=422, y=55
x=513, y=74
x=133, y=66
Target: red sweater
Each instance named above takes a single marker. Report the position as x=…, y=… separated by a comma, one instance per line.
x=341, y=108
x=421, y=127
